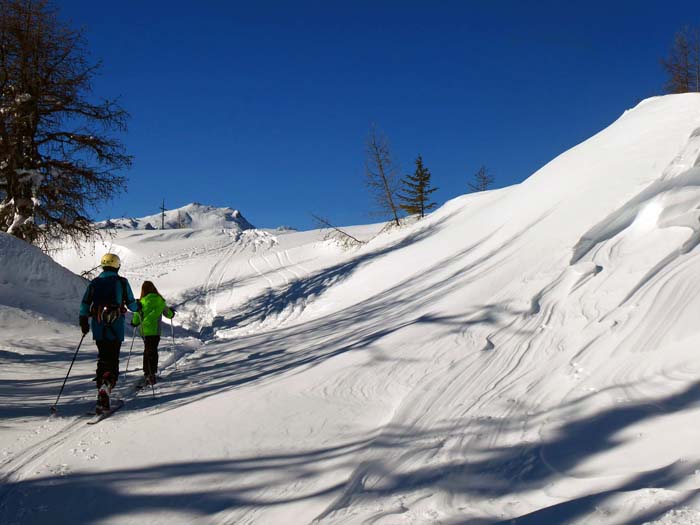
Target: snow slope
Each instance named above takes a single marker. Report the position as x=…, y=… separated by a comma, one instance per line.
x=521, y=356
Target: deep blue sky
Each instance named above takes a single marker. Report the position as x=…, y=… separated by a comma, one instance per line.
x=265, y=106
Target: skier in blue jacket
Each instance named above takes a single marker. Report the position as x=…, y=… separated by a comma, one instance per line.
x=105, y=302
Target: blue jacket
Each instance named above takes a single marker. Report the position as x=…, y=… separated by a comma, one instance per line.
x=107, y=289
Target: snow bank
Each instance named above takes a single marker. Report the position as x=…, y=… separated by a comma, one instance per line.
x=32, y=281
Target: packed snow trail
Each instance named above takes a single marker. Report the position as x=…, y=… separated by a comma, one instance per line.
x=523, y=356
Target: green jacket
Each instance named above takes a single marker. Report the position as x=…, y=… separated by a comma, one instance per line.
x=153, y=307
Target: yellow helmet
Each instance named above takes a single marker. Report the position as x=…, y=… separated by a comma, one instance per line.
x=110, y=260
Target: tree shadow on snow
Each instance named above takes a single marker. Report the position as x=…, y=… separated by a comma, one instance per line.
x=529, y=467
x=221, y=490
x=82, y=497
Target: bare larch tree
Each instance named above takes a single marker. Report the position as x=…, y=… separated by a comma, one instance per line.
x=58, y=159
x=382, y=175
x=482, y=180
x=682, y=65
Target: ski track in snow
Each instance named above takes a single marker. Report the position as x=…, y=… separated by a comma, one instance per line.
x=280, y=274
x=23, y=463
x=299, y=266
x=270, y=284
x=296, y=275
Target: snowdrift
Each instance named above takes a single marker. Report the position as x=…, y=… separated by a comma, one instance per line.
x=31, y=281
x=522, y=356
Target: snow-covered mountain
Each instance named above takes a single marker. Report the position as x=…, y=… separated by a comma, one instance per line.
x=192, y=216
x=522, y=356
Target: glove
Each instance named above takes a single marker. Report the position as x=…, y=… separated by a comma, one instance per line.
x=84, y=325
x=172, y=311
x=133, y=323
x=139, y=306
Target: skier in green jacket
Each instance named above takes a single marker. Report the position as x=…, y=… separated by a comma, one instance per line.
x=153, y=307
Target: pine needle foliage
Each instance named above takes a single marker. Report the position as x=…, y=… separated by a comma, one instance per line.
x=416, y=190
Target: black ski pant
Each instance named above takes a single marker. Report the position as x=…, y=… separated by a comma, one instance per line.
x=150, y=354
x=108, y=360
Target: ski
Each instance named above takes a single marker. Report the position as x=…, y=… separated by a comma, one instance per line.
x=104, y=415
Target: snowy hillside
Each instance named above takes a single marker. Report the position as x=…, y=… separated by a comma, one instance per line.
x=525, y=356
x=193, y=216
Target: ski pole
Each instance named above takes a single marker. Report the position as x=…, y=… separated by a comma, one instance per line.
x=172, y=333
x=133, y=338
x=53, y=407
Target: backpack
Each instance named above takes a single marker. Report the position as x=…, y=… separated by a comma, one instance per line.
x=105, y=307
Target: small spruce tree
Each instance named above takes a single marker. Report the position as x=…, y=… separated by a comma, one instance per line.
x=416, y=190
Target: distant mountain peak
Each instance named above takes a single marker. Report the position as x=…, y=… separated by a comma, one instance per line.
x=195, y=216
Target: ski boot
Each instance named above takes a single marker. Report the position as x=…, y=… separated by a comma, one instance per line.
x=105, y=389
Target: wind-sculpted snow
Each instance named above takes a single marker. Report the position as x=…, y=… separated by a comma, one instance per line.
x=669, y=201
x=521, y=356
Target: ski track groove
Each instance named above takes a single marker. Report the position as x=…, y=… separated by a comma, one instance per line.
x=280, y=259
x=216, y=277
x=301, y=267
x=285, y=280
x=149, y=263
x=290, y=269
x=269, y=281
